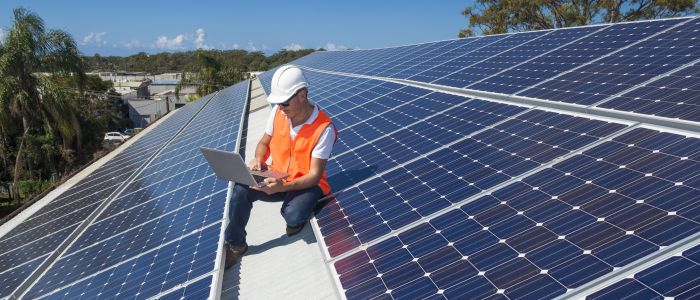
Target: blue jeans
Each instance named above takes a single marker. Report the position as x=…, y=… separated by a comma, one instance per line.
x=297, y=208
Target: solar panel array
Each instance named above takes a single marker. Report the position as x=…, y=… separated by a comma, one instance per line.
x=587, y=66
x=445, y=188
x=35, y=238
x=156, y=228
x=471, y=168
x=677, y=277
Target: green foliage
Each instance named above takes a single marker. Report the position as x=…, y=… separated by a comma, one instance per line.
x=237, y=61
x=30, y=188
x=52, y=116
x=497, y=16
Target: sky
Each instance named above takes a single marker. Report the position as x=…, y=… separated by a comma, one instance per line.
x=127, y=27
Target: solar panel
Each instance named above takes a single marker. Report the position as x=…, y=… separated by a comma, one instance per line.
x=175, y=205
x=50, y=226
x=641, y=61
x=449, y=194
x=585, y=66
x=458, y=71
x=675, y=95
x=677, y=277
x=548, y=233
x=197, y=290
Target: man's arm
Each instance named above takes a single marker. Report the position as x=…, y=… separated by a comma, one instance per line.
x=262, y=152
x=304, y=182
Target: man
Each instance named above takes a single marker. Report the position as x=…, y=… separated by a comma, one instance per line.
x=299, y=137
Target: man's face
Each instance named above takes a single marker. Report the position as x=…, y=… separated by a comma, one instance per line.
x=295, y=104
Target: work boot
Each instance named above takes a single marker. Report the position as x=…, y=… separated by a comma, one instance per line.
x=234, y=253
x=292, y=230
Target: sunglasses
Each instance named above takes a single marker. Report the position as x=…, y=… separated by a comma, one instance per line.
x=286, y=103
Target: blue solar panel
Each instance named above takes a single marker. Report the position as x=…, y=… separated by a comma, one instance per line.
x=585, y=65
x=157, y=270
x=481, y=76
x=477, y=51
x=444, y=54
x=197, y=290
x=45, y=230
x=174, y=202
x=407, y=193
x=675, y=95
x=419, y=55
x=677, y=277
x=12, y=277
x=609, y=75
x=459, y=72
x=570, y=56
x=548, y=233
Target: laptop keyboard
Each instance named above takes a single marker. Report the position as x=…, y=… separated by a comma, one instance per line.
x=259, y=178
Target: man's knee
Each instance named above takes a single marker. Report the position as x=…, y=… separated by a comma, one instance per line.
x=294, y=215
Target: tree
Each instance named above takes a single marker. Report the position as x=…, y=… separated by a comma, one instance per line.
x=25, y=94
x=208, y=75
x=502, y=16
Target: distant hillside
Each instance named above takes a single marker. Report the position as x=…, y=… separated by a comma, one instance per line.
x=238, y=60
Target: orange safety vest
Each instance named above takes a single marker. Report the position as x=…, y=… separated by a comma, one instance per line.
x=297, y=163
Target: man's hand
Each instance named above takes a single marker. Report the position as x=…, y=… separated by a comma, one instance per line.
x=273, y=186
x=257, y=165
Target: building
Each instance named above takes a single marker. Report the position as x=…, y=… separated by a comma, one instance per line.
x=132, y=89
x=143, y=112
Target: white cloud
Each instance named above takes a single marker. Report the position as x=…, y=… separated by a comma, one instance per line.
x=176, y=43
x=293, y=47
x=131, y=44
x=251, y=46
x=95, y=38
x=334, y=47
x=199, y=40
x=236, y=46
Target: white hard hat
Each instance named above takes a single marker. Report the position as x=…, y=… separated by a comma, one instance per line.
x=286, y=81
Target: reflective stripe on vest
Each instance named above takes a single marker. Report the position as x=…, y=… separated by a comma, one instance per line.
x=294, y=157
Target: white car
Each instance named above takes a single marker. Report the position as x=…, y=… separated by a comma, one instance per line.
x=115, y=137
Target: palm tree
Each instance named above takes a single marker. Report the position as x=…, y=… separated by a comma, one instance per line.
x=30, y=48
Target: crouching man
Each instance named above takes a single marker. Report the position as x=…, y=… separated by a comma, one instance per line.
x=299, y=136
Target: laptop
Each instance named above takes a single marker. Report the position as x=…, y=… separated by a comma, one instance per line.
x=230, y=166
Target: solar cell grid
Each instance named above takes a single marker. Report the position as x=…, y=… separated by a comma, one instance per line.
x=28, y=250
x=173, y=197
x=384, y=68
x=197, y=290
x=555, y=230
x=368, y=64
x=437, y=67
x=48, y=228
x=479, y=55
x=157, y=270
x=514, y=57
x=445, y=53
x=495, y=154
x=570, y=56
x=675, y=95
x=124, y=246
x=677, y=277
x=12, y=278
x=417, y=56
x=647, y=51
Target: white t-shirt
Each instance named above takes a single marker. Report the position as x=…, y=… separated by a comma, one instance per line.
x=323, y=147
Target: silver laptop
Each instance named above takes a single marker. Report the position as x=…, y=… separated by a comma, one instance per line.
x=230, y=166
